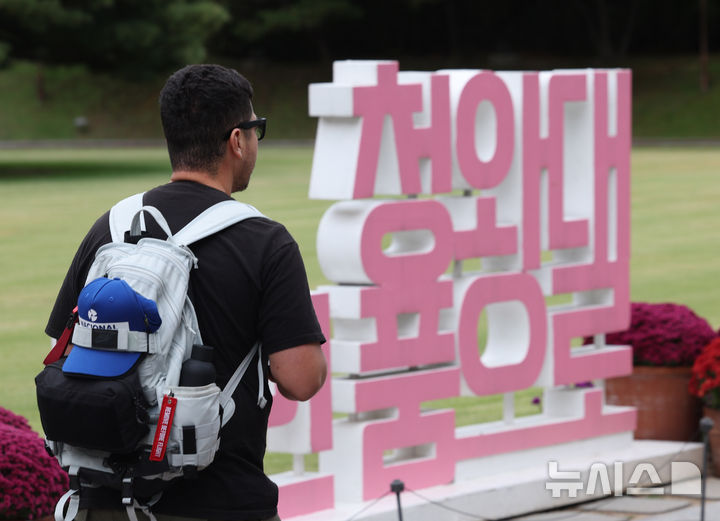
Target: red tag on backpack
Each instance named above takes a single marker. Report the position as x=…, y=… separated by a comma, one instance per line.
x=61, y=345
x=162, y=432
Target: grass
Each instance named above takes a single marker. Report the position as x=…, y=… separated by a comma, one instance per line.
x=123, y=108
x=115, y=108
x=667, y=102
x=675, y=233
x=51, y=196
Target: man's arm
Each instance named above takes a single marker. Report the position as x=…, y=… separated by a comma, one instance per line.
x=299, y=372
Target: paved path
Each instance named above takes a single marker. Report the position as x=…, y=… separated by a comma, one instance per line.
x=683, y=504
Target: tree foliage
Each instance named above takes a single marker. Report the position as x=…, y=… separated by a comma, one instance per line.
x=128, y=35
x=284, y=27
x=147, y=35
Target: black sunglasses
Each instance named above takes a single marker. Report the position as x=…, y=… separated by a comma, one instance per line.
x=258, y=124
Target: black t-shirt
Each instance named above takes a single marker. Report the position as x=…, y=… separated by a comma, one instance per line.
x=250, y=284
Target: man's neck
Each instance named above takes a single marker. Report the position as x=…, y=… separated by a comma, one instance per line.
x=203, y=178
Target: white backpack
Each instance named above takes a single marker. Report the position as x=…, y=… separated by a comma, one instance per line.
x=158, y=270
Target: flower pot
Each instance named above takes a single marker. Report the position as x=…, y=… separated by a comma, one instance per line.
x=714, y=439
x=665, y=408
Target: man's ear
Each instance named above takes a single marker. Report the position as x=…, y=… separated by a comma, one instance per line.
x=236, y=143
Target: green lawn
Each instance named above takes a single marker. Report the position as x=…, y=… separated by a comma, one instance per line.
x=123, y=108
x=667, y=102
x=50, y=197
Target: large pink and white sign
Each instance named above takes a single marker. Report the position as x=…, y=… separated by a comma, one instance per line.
x=461, y=192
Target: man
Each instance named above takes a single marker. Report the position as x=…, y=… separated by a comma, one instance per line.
x=250, y=285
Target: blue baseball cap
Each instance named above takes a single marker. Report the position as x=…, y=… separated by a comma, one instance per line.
x=107, y=310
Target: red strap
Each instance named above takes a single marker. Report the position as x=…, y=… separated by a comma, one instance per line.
x=162, y=432
x=61, y=345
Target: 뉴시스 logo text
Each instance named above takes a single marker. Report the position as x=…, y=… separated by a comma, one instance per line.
x=644, y=479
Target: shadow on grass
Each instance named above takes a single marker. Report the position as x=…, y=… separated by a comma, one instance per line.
x=78, y=170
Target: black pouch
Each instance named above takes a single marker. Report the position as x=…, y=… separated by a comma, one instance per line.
x=102, y=414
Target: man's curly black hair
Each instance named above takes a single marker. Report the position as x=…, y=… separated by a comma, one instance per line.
x=198, y=106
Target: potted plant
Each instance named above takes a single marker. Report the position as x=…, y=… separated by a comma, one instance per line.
x=666, y=338
x=705, y=384
x=31, y=481
x=705, y=379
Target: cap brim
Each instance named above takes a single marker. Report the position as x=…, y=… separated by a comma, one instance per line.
x=100, y=363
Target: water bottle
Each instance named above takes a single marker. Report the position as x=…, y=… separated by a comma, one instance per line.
x=198, y=370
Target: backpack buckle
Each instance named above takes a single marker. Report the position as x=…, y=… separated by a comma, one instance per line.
x=127, y=491
x=72, y=318
x=49, y=449
x=134, y=239
x=74, y=478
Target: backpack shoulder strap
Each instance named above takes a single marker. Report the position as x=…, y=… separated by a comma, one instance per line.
x=121, y=215
x=226, y=400
x=214, y=219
